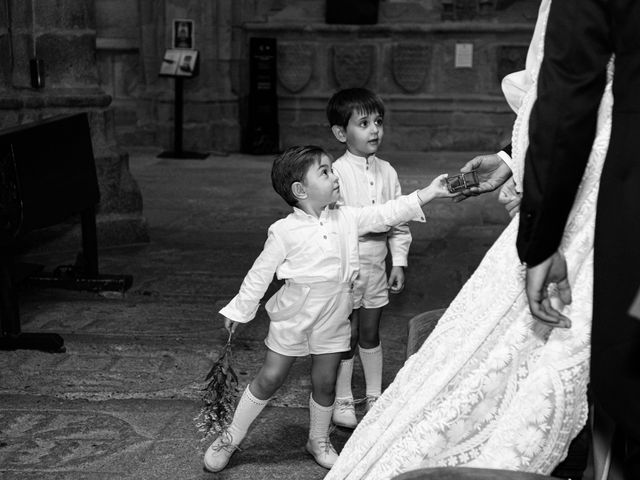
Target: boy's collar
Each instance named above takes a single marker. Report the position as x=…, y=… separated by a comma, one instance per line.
x=298, y=212
x=359, y=158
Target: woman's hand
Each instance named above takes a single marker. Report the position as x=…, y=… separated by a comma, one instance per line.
x=510, y=198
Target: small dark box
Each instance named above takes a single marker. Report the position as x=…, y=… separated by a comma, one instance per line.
x=352, y=12
x=457, y=183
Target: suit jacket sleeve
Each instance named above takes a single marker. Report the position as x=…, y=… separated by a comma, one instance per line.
x=562, y=125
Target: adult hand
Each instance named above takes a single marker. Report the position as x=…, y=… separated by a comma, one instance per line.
x=510, y=198
x=551, y=271
x=492, y=172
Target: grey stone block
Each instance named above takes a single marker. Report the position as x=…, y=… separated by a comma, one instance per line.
x=65, y=14
x=420, y=327
x=69, y=60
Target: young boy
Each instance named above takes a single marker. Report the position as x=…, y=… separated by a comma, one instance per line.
x=356, y=117
x=315, y=250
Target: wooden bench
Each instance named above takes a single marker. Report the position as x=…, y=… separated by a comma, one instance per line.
x=47, y=175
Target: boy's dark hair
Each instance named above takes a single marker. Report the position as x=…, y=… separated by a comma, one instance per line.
x=342, y=104
x=291, y=166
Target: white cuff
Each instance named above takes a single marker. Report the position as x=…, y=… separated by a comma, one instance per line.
x=506, y=158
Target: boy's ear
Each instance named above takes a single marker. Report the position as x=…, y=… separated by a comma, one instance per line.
x=298, y=190
x=339, y=133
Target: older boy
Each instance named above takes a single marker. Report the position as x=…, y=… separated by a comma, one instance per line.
x=356, y=116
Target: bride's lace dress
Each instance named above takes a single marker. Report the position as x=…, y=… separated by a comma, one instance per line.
x=491, y=387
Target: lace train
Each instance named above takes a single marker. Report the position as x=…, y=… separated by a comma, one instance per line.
x=491, y=387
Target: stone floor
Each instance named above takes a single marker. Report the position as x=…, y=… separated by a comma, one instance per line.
x=120, y=402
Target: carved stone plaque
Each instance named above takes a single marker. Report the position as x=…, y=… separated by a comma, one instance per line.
x=409, y=65
x=295, y=65
x=352, y=65
x=511, y=58
x=467, y=9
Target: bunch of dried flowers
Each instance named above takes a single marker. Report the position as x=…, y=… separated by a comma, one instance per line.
x=219, y=396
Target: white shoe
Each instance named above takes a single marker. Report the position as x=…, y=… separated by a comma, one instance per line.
x=371, y=399
x=218, y=454
x=344, y=413
x=322, y=451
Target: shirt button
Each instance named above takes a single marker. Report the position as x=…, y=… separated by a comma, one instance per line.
x=324, y=236
x=373, y=201
x=321, y=223
x=370, y=183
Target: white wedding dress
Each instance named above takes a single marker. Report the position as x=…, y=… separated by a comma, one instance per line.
x=490, y=387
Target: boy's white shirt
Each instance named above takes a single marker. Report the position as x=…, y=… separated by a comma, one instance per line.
x=369, y=181
x=306, y=249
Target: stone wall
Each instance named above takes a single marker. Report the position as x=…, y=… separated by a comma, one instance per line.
x=431, y=104
x=62, y=35
x=132, y=39
x=407, y=57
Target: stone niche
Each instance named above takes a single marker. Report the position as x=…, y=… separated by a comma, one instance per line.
x=440, y=78
x=62, y=36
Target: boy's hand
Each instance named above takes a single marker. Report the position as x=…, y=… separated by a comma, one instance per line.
x=436, y=189
x=439, y=187
x=396, y=279
x=229, y=324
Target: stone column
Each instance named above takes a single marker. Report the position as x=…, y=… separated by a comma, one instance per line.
x=62, y=34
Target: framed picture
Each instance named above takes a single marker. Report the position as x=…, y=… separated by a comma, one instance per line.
x=179, y=62
x=187, y=63
x=183, y=33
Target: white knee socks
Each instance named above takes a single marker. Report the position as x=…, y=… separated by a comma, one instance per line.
x=371, y=359
x=319, y=419
x=247, y=410
x=343, y=382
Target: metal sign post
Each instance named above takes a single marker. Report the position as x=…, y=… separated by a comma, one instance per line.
x=180, y=62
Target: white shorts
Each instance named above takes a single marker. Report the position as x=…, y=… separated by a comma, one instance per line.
x=309, y=319
x=370, y=289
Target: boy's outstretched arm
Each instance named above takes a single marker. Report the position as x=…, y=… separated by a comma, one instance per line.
x=380, y=218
